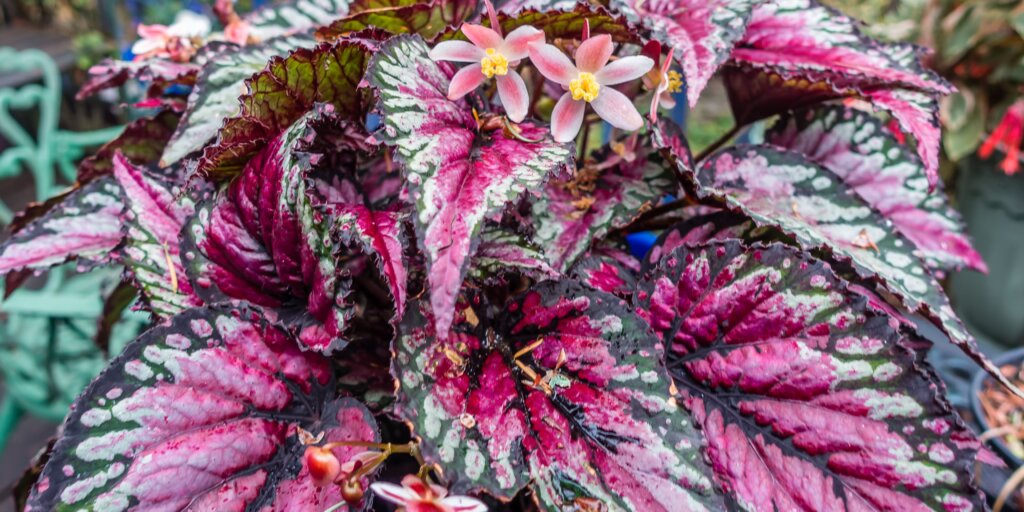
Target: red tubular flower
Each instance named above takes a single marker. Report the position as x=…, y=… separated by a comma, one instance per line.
x=1007, y=136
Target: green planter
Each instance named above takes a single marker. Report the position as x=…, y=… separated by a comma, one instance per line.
x=993, y=207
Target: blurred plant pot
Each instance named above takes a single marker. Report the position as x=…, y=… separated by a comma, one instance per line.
x=1013, y=357
x=992, y=204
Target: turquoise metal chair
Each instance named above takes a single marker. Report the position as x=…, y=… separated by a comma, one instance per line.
x=47, y=353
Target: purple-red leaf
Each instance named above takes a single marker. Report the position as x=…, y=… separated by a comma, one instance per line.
x=286, y=90
x=380, y=235
x=606, y=272
x=264, y=241
x=201, y=414
x=563, y=386
x=702, y=32
x=85, y=225
x=701, y=228
x=862, y=151
x=456, y=176
x=807, y=400
x=155, y=212
x=798, y=53
x=571, y=215
x=787, y=191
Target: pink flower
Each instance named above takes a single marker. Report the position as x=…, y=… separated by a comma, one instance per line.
x=418, y=496
x=1007, y=136
x=237, y=32
x=660, y=79
x=178, y=42
x=492, y=56
x=588, y=82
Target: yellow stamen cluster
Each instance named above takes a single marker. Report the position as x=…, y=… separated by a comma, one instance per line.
x=494, y=64
x=675, y=81
x=584, y=87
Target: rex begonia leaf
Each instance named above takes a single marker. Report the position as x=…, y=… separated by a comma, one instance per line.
x=503, y=251
x=380, y=234
x=862, y=151
x=572, y=214
x=262, y=240
x=806, y=399
x=605, y=273
x=786, y=190
x=286, y=90
x=701, y=228
x=426, y=19
x=599, y=429
x=294, y=16
x=218, y=87
x=799, y=52
x=86, y=225
x=202, y=414
x=155, y=212
x=702, y=32
x=142, y=141
x=456, y=175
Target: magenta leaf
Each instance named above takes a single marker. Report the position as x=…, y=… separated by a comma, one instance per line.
x=702, y=32
x=456, y=176
x=380, y=234
x=264, y=241
x=698, y=229
x=570, y=215
x=917, y=114
x=799, y=53
x=155, y=212
x=786, y=190
x=807, y=400
x=285, y=91
x=294, y=16
x=862, y=151
x=85, y=225
x=606, y=273
x=598, y=428
x=215, y=96
x=503, y=251
x=201, y=414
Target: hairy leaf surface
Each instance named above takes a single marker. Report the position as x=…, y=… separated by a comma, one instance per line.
x=599, y=427
x=807, y=400
x=201, y=414
x=456, y=176
x=154, y=217
x=86, y=225
x=786, y=190
x=218, y=87
x=867, y=157
x=702, y=32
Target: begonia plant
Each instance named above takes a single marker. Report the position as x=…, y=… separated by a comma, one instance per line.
x=385, y=246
